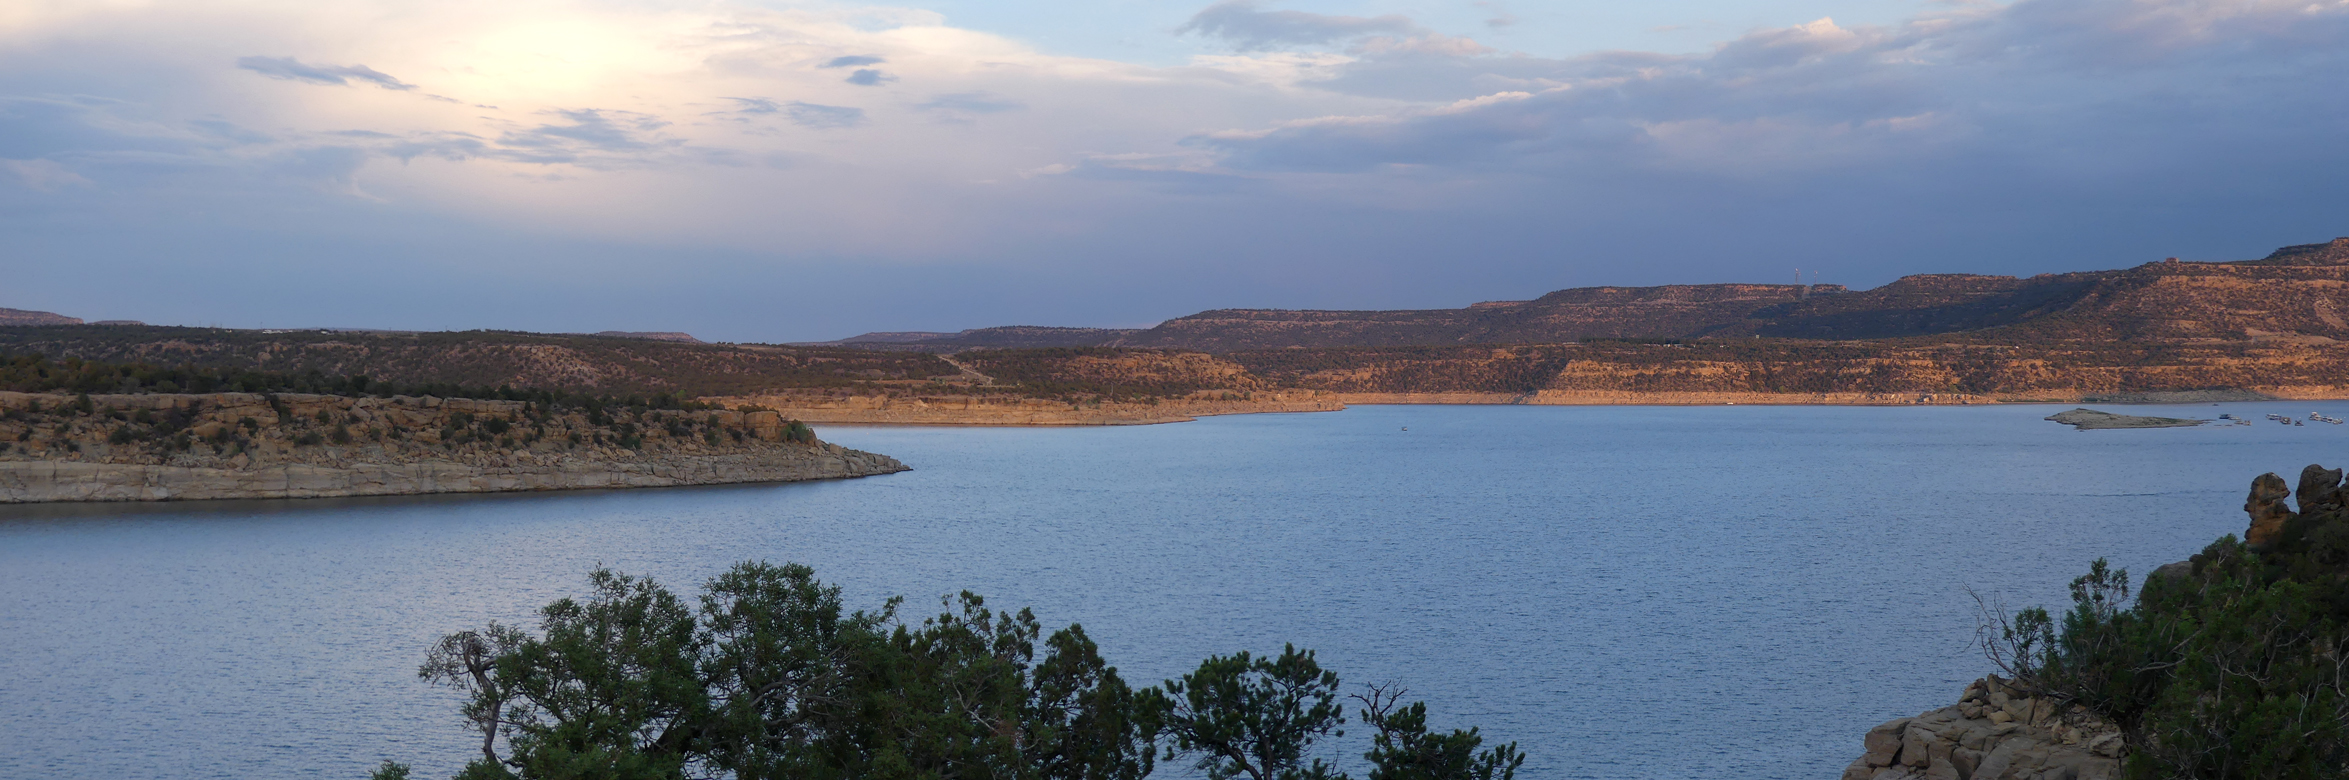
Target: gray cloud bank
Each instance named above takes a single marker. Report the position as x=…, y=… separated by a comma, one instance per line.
x=1362, y=162
x=292, y=69
x=1248, y=26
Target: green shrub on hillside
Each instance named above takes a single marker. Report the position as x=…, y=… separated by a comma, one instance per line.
x=2237, y=667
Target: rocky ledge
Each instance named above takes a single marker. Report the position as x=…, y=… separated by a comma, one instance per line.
x=163, y=447
x=2092, y=420
x=1996, y=731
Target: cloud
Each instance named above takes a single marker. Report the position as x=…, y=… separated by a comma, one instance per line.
x=822, y=116
x=2028, y=79
x=229, y=131
x=853, y=60
x=292, y=69
x=755, y=106
x=1501, y=18
x=868, y=77
x=44, y=175
x=1245, y=25
x=971, y=103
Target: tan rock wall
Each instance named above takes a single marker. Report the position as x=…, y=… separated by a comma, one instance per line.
x=1637, y=398
x=997, y=410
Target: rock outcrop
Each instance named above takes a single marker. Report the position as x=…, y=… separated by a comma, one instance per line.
x=2093, y=420
x=163, y=447
x=2268, y=511
x=1996, y=731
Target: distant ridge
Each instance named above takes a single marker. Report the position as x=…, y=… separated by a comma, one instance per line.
x=681, y=338
x=2298, y=291
x=23, y=317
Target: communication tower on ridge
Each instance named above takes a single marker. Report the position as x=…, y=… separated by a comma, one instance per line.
x=1802, y=292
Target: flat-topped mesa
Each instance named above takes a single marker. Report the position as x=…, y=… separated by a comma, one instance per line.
x=1686, y=293
x=24, y=317
x=2298, y=292
x=2334, y=252
x=157, y=447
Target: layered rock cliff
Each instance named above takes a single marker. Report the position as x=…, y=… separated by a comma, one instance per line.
x=2296, y=292
x=156, y=447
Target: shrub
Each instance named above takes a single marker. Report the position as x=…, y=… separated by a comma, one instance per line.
x=769, y=675
x=2237, y=667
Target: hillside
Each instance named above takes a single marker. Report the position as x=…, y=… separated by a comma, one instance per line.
x=176, y=446
x=2262, y=328
x=625, y=364
x=2296, y=292
x=23, y=317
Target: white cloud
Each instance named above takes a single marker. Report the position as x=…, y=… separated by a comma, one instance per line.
x=44, y=175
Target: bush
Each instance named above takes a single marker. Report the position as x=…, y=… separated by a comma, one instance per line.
x=768, y=675
x=2236, y=667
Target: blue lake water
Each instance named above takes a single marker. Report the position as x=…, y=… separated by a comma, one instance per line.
x=1628, y=592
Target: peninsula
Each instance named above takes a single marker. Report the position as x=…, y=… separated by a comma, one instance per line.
x=178, y=446
x=2093, y=420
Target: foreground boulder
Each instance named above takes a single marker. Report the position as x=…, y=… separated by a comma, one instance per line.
x=1996, y=731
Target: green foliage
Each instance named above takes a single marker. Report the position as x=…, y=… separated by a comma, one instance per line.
x=390, y=770
x=2238, y=668
x=1404, y=749
x=796, y=431
x=768, y=676
x=1255, y=717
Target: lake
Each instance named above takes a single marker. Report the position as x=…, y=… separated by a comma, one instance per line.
x=1628, y=592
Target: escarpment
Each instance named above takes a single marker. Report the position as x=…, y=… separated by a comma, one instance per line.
x=156, y=447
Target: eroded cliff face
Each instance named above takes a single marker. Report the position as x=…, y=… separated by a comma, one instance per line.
x=160, y=447
x=956, y=409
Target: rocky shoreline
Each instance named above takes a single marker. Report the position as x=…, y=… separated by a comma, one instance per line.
x=2093, y=420
x=168, y=447
x=1996, y=731
x=985, y=410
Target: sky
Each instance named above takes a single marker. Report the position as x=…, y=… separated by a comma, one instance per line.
x=780, y=171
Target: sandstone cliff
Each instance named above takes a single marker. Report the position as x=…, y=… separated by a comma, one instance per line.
x=156, y=447
x=954, y=409
x=2297, y=292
